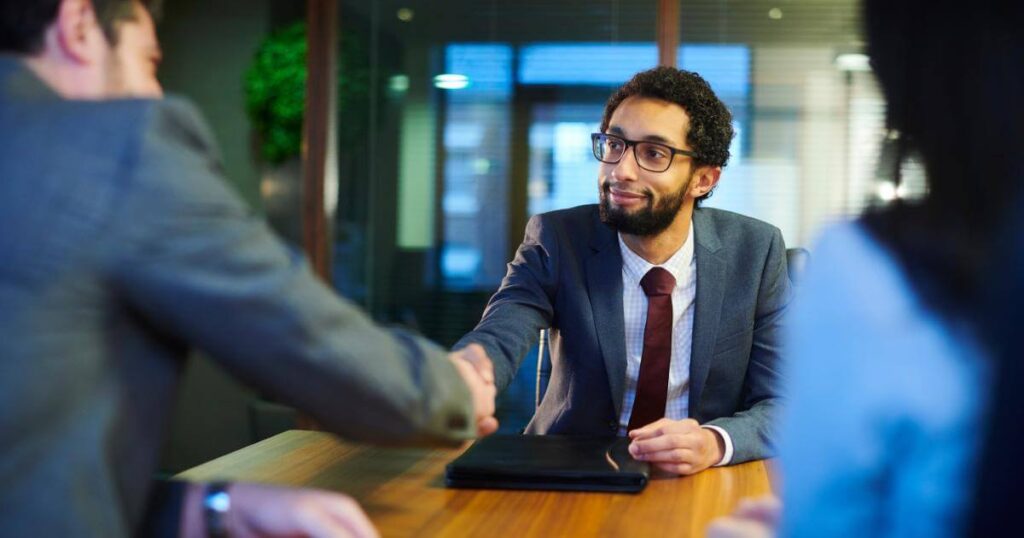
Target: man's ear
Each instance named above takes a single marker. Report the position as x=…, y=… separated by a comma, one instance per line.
x=704, y=179
x=78, y=32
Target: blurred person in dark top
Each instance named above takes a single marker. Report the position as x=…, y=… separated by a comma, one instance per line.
x=906, y=323
x=123, y=247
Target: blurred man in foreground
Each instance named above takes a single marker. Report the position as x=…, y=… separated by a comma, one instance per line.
x=122, y=249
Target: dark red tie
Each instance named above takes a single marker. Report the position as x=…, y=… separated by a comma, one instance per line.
x=652, y=384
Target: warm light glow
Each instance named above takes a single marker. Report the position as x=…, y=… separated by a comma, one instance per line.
x=451, y=81
x=775, y=13
x=269, y=188
x=405, y=14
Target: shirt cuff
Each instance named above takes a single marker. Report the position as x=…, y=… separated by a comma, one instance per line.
x=727, y=454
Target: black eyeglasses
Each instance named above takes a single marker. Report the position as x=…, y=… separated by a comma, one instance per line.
x=651, y=156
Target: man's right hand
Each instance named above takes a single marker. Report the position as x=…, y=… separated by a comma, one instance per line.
x=478, y=373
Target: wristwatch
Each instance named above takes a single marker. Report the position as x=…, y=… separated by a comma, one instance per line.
x=216, y=503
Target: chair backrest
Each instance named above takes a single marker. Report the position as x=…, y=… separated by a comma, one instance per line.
x=543, y=368
x=796, y=262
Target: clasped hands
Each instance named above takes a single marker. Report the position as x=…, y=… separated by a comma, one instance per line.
x=259, y=510
x=477, y=371
x=677, y=446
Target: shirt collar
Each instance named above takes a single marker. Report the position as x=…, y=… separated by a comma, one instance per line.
x=678, y=265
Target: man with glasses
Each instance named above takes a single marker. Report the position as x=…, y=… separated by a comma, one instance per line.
x=664, y=317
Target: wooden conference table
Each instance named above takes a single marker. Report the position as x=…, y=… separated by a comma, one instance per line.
x=403, y=492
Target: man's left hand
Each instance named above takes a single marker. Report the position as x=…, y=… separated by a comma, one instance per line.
x=677, y=446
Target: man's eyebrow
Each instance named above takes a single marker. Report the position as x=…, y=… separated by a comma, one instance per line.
x=657, y=138
x=615, y=130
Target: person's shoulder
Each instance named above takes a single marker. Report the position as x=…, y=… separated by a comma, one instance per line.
x=106, y=123
x=853, y=271
x=87, y=145
x=858, y=313
x=128, y=124
x=576, y=226
x=843, y=243
x=122, y=113
x=170, y=117
x=178, y=160
x=579, y=215
x=179, y=119
x=173, y=129
x=580, y=222
x=29, y=107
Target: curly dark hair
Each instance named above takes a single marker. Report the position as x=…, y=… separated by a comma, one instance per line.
x=23, y=23
x=710, y=121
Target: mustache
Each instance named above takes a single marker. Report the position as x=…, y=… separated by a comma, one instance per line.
x=606, y=187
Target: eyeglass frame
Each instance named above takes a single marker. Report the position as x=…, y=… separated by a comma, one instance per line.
x=632, y=144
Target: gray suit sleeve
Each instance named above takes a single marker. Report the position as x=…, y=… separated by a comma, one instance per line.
x=201, y=270
x=522, y=306
x=753, y=430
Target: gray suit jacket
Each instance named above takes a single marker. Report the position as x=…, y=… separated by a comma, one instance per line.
x=122, y=247
x=567, y=276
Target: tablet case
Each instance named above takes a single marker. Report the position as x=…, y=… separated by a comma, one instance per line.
x=549, y=462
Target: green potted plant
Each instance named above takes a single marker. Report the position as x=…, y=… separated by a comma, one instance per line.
x=275, y=98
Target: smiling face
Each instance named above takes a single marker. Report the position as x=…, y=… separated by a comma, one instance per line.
x=636, y=201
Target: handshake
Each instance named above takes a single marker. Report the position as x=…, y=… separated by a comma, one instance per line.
x=477, y=371
x=262, y=510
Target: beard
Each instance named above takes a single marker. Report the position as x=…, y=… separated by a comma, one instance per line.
x=114, y=85
x=651, y=219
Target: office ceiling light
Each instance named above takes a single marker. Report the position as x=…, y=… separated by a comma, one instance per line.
x=853, y=62
x=451, y=81
x=405, y=14
x=775, y=13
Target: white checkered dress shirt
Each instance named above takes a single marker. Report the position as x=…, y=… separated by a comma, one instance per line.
x=683, y=267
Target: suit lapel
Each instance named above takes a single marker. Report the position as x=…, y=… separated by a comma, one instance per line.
x=711, y=270
x=604, y=286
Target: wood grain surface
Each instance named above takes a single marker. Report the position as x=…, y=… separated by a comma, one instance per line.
x=403, y=492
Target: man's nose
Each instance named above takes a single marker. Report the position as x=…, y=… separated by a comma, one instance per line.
x=627, y=168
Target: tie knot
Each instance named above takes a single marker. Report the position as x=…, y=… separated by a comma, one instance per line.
x=658, y=281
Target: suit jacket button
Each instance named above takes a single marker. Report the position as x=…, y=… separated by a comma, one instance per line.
x=613, y=426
